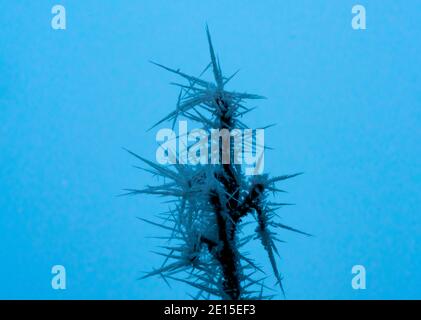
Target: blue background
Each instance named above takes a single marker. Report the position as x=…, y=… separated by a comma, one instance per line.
x=347, y=104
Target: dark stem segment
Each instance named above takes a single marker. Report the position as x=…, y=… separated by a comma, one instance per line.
x=227, y=254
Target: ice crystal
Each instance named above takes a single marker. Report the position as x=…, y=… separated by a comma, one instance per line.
x=208, y=203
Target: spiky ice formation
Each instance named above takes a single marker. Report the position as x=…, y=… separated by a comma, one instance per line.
x=203, y=227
